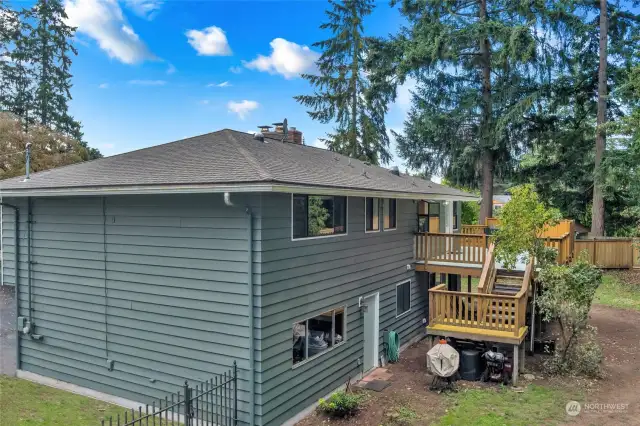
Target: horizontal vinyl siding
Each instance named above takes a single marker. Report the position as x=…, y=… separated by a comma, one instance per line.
x=304, y=278
x=167, y=303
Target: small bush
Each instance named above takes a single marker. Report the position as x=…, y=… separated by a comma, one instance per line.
x=582, y=358
x=341, y=404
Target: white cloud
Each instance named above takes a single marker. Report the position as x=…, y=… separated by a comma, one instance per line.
x=147, y=9
x=5, y=58
x=242, y=108
x=171, y=69
x=104, y=86
x=235, y=70
x=148, y=82
x=103, y=21
x=287, y=58
x=204, y=102
x=223, y=84
x=211, y=41
x=318, y=143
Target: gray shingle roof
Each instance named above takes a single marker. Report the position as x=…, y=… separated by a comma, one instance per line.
x=227, y=157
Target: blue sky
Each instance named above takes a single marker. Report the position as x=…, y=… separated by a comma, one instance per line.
x=151, y=71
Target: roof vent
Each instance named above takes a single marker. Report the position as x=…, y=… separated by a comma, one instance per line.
x=395, y=171
x=258, y=136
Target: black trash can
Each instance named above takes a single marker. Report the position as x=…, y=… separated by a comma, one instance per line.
x=470, y=364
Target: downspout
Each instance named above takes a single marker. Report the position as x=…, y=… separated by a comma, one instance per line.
x=16, y=253
x=252, y=378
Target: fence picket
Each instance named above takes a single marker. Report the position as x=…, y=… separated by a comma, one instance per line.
x=197, y=404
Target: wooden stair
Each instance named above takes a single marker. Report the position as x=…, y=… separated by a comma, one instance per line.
x=507, y=283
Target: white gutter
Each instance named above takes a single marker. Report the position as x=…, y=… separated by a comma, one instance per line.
x=221, y=188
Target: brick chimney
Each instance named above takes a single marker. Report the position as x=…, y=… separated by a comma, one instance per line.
x=293, y=135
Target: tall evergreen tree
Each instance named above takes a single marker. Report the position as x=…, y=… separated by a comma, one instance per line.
x=51, y=46
x=477, y=64
x=342, y=90
x=563, y=133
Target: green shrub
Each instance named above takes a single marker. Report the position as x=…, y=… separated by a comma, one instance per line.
x=341, y=403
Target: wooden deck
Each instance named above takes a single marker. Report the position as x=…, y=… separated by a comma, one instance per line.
x=462, y=254
x=482, y=316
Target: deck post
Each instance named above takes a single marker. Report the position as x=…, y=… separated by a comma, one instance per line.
x=514, y=374
x=522, y=356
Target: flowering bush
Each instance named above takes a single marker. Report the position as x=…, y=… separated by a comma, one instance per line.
x=341, y=403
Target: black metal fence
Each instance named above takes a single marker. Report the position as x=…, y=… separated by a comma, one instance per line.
x=214, y=402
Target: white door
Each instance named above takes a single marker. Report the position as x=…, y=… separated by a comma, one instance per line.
x=371, y=305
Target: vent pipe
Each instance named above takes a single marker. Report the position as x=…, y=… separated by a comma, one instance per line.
x=28, y=162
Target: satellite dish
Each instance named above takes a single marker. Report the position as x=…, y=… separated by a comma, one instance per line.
x=285, y=130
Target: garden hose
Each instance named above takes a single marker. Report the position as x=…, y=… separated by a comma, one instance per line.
x=393, y=347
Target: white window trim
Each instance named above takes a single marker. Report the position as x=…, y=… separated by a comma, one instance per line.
x=365, y=216
x=395, y=227
x=344, y=336
x=346, y=223
x=410, y=302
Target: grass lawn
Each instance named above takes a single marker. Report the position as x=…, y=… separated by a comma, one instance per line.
x=616, y=293
x=537, y=405
x=25, y=403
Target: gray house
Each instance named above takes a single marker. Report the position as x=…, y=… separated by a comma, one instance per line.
x=138, y=271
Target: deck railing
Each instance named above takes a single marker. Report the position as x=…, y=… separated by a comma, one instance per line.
x=564, y=245
x=488, y=276
x=480, y=310
x=453, y=248
x=474, y=229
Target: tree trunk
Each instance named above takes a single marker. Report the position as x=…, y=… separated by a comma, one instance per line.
x=354, y=84
x=43, y=84
x=597, y=214
x=486, y=139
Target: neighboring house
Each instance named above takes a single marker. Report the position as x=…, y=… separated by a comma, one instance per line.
x=141, y=270
x=499, y=201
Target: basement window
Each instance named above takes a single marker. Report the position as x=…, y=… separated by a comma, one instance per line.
x=389, y=212
x=315, y=216
x=317, y=335
x=403, y=298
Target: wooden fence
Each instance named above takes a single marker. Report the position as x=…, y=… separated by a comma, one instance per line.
x=618, y=253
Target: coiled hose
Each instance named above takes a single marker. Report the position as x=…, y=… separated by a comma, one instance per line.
x=393, y=348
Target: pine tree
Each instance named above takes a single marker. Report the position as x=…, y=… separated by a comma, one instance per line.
x=562, y=159
x=16, y=77
x=51, y=46
x=477, y=64
x=342, y=91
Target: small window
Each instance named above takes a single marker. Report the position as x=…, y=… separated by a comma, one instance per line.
x=434, y=209
x=403, y=298
x=318, y=215
x=372, y=219
x=455, y=214
x=389, y=211
x=317, y=335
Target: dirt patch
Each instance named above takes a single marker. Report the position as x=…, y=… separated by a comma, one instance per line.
x=408, y=393
x=628, y=276
x=619, y=335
